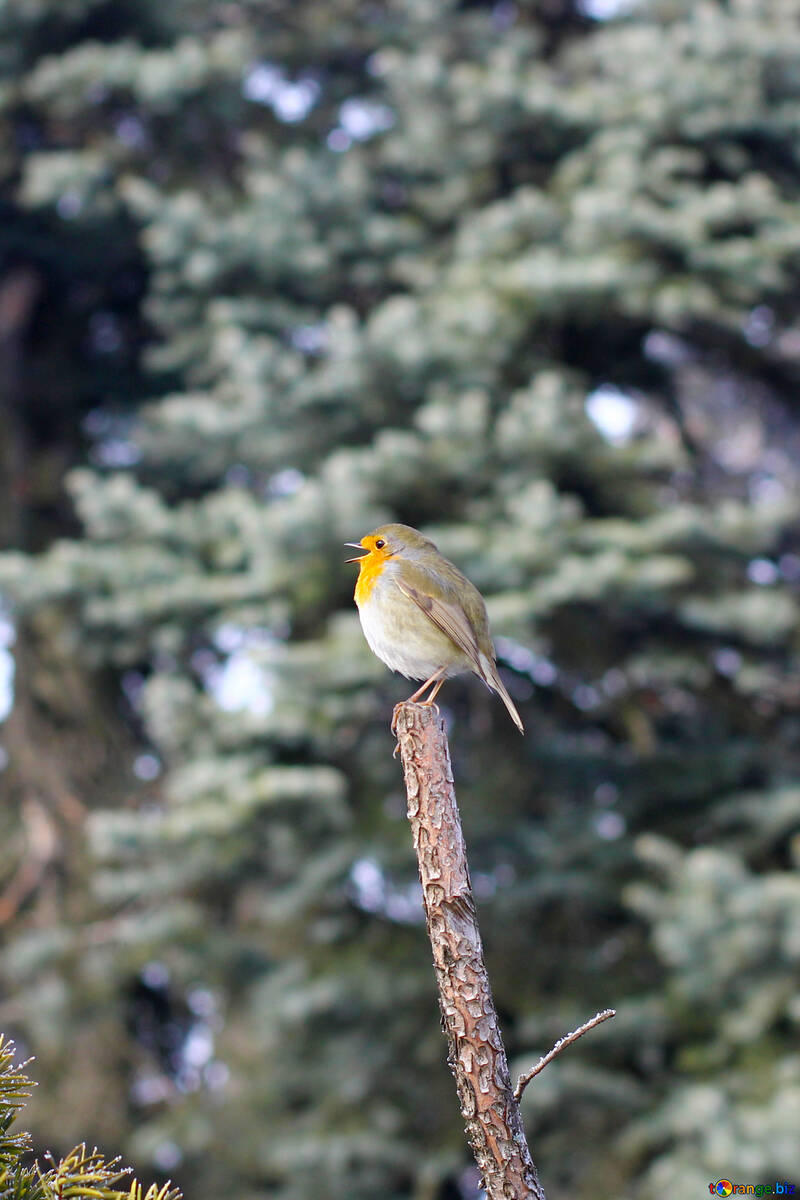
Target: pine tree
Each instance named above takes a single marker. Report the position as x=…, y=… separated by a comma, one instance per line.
x=528, y=281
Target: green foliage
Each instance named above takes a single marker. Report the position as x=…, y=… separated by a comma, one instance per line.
x=15, y=1089
x=81, y=1174
x=402, y=262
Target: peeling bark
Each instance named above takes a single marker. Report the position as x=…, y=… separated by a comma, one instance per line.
x=476, y=1053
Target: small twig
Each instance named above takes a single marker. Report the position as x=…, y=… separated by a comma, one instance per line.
x=560, y=1045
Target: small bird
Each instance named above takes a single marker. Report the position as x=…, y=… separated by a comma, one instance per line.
x=420, y=615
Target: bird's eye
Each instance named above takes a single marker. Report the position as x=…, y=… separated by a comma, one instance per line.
x=380, y=544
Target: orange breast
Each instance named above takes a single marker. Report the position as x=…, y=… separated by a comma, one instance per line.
x=369, y=573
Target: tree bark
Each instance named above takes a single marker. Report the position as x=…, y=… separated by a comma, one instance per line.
x=476, y=1054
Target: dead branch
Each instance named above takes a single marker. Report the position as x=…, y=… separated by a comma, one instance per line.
x=476, y=1054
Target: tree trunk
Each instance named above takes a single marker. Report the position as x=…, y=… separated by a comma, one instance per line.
x=476, y=1054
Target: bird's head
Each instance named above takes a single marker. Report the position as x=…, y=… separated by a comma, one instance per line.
x=390, y=541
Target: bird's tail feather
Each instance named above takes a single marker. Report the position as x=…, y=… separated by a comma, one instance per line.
x=492, y=676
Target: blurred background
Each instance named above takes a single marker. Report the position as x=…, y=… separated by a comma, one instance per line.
x=526, y=276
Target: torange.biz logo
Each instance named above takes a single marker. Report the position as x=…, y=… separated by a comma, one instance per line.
x=724, y=1187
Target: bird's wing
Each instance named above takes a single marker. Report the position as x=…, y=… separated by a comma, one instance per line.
x=450, y=619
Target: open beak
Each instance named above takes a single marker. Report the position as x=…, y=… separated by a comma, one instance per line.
x=356, y=546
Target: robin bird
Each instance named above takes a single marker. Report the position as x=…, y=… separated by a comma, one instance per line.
x=420, y=615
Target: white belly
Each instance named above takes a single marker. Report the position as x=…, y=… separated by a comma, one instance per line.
x=415, y=647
